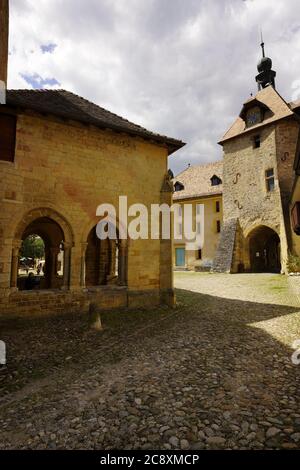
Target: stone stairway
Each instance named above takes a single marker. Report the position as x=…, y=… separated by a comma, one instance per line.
x=224, y=255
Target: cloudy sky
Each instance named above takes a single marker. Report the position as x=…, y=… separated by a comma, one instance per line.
x=178, y=67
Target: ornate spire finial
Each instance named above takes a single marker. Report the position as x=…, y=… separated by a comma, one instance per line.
x=262, y=44
x=266, y=76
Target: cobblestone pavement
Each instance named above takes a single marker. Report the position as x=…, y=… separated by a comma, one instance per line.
x=215, y=372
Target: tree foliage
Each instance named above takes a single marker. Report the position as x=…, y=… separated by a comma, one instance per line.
x=33, y=247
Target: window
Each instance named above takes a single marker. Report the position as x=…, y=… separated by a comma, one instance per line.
x=178, y=186
x=218, y=226
x=270, y=180
x=199, y=254
x=218, y=206
x=254, y=116
x=215, y=181
x=7, y=137
x=256, y=142
x=296, y=217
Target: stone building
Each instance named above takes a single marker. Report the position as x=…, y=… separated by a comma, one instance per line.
x=196, y=185
x=259, y=152
x=62, y=156
x=295, y=201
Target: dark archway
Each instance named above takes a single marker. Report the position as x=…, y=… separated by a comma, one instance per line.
x=50, y=273
x=264, y=250
x=105, y=261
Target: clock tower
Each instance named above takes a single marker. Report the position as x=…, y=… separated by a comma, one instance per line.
x=259, y=151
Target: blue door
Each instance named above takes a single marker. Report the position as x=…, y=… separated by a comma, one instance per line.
x=180, y=256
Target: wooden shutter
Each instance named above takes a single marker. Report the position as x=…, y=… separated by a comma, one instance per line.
x=296, y=217
x=7, y=137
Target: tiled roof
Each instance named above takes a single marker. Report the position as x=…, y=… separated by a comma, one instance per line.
x=67, y=105
x=269, y=97
x=197, y=181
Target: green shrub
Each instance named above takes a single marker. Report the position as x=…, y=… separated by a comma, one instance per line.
x=293, y=263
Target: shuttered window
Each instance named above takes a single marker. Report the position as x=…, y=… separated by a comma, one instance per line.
x=296, y=217
x=7, y=137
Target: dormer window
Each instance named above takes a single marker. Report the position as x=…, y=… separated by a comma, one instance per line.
x=254, y=112
x=178, y=186
x=253, y=116
x=215, y=181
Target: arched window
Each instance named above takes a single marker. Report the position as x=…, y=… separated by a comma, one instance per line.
x=105, y=261
x=41, y=263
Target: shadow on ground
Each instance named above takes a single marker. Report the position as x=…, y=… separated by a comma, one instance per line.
x=216, y=367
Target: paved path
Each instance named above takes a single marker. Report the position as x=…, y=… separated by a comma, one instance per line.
x=215, y=372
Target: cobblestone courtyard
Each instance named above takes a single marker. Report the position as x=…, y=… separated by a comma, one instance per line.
x=215, y=372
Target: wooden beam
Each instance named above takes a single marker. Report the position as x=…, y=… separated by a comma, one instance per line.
x=4, y=28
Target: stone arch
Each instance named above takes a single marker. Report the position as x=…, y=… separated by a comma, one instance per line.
x=103, y=262
x=39, y=213
x=57, y=236
x=250, y=228
x=263, y=245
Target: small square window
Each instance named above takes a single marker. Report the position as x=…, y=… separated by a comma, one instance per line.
x=218, y=226
x=256, y=142
x=270, y=180
x=218, y=206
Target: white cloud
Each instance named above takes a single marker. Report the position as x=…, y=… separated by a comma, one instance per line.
x=179, y=67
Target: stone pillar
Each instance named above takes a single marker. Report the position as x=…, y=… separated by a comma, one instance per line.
x=111, y=277
x=167, y=295
x=82, y=264
x=15, y=263
x=54, y=251
x=66, y=267
x=122, y=264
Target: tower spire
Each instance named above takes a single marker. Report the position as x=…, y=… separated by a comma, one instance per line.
x=262, y=44
x=266, y=76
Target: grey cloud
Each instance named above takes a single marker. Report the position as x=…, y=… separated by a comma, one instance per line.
x=179, y=67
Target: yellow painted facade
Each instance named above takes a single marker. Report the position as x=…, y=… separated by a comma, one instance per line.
x=213, y=217
x=296, y=198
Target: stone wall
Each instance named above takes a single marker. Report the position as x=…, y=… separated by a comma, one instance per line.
x=64, y=170
x=245, y=193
